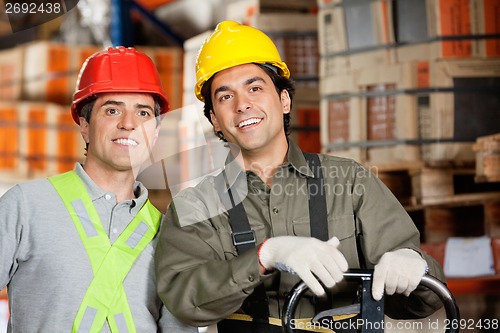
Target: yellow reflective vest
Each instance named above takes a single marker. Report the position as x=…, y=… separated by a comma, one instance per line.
x=105, y=299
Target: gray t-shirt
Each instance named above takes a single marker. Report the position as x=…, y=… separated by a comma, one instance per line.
x=47, y=270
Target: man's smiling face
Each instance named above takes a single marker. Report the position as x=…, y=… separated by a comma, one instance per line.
x=247, y=109
x=122, y=129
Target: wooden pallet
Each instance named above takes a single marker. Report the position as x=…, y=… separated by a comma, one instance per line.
x=449, y=185
x=418, y=184
x=472, y=219
x=445, y=201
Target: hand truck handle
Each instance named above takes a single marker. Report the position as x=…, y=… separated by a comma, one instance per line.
x=450, y=305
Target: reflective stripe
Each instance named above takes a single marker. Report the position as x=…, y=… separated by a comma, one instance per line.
x=121, y=323
x=82, y=213
x=87, y=320
x=137, y=235
x=110, y=262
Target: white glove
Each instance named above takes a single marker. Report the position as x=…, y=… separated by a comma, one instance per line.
x=399, y=272
x=305, y=256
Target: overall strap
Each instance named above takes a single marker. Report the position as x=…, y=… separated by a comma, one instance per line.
x=318, y=216
x=105, y=298
x=317, y=201
x=257, y=304
x=242, y=234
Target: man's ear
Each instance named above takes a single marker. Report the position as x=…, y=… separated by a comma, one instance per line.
x=285, y=101
x=215, y=123
x=84, y=129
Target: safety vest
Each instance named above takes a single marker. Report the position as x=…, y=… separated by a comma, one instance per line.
x=105, y=299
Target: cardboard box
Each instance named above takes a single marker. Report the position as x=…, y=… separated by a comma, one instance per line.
x=487, y=22
x=38, y=139
x=411, y=22
x=487, y=149
x=11, y=73
x=389, y=114
x=9, y=134
x=376, y=58
x=417, y=111
x=368, y=24
x=51, y=70
x=454, y=20
x=296, y=43
x=243, y=11
x=307, y=128
x=472, y=95
x=169, y=62
x=451, y=18
x=341, y=119
x=331, y=31
x=333, y=66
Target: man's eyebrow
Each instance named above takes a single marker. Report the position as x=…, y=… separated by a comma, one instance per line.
x=143, y=106
x=247, y=82
x=221, y=89
x=111, y=102
x=254, y=79
x=118, y=103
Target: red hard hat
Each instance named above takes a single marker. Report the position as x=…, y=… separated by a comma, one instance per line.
x=117, y=69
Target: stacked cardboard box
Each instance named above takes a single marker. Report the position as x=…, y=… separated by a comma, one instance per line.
x=47, y=71
x=11, y=71
x=400, y=86
x=487, y=149
x=170, y=66
x=50, y=70
x=243, y=10
x=37, y=139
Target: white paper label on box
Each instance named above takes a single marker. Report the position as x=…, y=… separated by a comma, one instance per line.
x=468, y=256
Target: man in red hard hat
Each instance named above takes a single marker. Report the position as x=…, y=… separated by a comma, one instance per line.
x=76, y=249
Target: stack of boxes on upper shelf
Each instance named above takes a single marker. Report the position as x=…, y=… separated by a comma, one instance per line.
x=408, y=81
x=38, y=137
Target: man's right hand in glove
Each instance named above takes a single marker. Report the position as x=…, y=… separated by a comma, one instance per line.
x=309, y=258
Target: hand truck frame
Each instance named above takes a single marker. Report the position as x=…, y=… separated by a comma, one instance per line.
x=368, y=308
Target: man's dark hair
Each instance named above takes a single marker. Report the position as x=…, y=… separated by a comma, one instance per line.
x=280, y=83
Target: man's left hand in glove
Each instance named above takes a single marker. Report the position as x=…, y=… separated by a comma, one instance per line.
x=398, y=271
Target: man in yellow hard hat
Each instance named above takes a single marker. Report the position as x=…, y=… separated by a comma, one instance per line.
x=76, y=249
x=232, y=247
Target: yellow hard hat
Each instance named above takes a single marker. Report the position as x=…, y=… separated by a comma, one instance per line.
x=233, y=44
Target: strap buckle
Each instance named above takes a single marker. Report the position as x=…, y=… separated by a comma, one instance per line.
x=243, y=237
